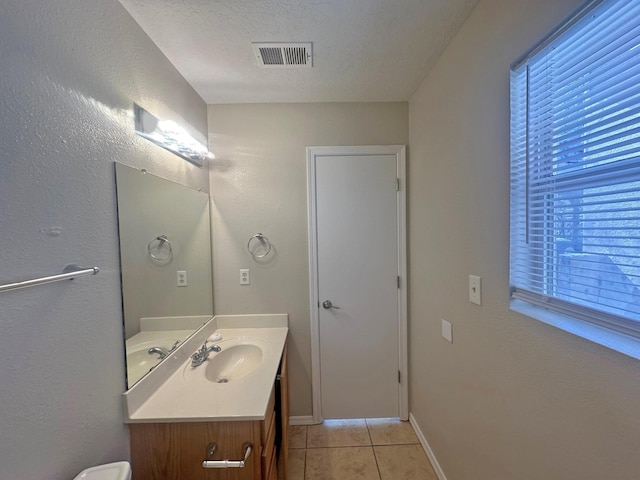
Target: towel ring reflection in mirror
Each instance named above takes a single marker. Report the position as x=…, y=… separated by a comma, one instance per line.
x=263, y=240
x=160, y=248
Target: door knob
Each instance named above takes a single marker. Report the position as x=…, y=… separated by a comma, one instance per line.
x=327, y=305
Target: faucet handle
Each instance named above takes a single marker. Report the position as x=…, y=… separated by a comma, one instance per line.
x=201, y=353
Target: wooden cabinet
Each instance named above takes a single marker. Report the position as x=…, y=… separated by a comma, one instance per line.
x=282, y=412
x=175, y=451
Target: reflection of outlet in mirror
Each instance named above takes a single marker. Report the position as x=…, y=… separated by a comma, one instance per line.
x=181, y=280
x=475, y=294
x=447, y=331
x=245, y=278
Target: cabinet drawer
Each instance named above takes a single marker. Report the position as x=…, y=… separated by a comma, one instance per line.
x=176, y=450
x=268, y=451
x=265, y=425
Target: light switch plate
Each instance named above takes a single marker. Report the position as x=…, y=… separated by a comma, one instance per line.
x=447, y=331
x=475, y=292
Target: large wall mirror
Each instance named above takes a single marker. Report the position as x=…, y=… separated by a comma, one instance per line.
x=165, y=258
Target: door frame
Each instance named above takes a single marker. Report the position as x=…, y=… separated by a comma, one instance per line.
x=400, y=153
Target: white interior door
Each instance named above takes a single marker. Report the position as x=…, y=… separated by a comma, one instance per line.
x=358, y=264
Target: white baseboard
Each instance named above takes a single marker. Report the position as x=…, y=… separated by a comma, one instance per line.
x=303, y=420
x=427, y=448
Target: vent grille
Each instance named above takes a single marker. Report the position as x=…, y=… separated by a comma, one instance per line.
x=283, y=55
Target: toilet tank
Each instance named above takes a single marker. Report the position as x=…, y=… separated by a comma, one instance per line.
x=109, y=471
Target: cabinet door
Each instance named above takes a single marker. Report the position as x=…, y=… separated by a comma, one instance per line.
x=175, y=451
x=284, y=414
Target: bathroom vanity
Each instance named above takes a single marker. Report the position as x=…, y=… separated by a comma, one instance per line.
x=226, y=419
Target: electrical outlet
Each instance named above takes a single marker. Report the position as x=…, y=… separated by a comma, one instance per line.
x=181, y=279
x=245, y=276
x=475, y=292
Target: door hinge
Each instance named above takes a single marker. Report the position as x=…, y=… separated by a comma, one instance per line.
x=397, y=184
x=399, y=377
x=398, y=277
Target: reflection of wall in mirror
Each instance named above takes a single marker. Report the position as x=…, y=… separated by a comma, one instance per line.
x=148, y=207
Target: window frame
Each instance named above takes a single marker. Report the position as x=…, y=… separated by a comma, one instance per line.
x=612, y=330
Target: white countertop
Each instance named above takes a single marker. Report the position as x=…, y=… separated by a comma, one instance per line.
x=177, y=392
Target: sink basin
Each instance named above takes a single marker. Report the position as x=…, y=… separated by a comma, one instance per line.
x=233, y=362
x=140, y=361
x=241, y=357
x=138, y=355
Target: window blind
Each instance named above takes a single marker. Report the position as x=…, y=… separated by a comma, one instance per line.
x=575, y=169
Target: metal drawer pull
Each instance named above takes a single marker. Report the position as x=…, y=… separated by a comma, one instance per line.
x=211, y=448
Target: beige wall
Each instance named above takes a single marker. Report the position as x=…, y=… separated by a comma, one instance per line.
x=259, y=184
x=511, y=398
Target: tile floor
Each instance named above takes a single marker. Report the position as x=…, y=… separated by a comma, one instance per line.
x=366, y=449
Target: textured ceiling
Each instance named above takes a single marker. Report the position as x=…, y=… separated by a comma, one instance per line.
x=363, y=50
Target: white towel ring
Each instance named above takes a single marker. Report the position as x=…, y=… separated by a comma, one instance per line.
x=263, y=239
x=162, y=240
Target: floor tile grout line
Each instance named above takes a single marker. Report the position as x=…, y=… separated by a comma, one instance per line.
x=373, y=450
x=360, y=445
x=368, y=431
x=306, y=439
x=304, y=469
x=375, y=457
x=337, y=446
x=391, y=444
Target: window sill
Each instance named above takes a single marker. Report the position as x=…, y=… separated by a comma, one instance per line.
x=615, y=341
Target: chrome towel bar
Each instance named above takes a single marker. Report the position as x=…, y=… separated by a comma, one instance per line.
x=69, y=273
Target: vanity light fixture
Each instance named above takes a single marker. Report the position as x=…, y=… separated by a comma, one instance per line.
x=170, y=136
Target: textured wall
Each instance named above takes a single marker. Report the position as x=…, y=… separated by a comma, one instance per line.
x=70, y=73
x=259, y=184
x=511, y=398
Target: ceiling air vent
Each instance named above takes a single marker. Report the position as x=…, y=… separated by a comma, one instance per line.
x=283, y=55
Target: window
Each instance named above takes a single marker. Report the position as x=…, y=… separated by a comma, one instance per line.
x=575, y=169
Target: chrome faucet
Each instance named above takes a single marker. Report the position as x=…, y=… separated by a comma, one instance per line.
x=202, y=354
x=163, y=352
